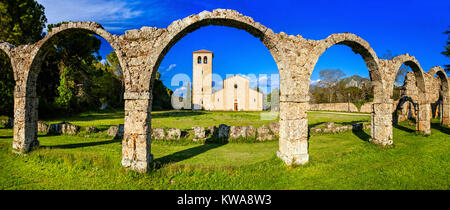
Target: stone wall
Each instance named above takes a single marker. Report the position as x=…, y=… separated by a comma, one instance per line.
x=339, y=107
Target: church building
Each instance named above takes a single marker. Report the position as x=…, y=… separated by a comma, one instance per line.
x=236, y=95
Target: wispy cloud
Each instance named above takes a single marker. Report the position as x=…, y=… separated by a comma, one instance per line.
x=181, y=91
x=114, y=15
x=313, y=82
x=171, y=66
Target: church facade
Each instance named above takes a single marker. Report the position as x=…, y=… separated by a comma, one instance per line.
x=236, y=94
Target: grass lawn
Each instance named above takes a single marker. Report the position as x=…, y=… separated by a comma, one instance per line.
x=337, y=161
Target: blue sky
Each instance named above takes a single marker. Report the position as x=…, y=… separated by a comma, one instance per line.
x=414, y=27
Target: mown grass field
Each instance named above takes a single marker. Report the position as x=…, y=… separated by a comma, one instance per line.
x=337, y=161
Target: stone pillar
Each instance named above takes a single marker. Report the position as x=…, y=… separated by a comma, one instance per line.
x=445, y=114
x=293, y=141
x=25, y=122
x=381, y=130
x=136, y=143
x=423, y=119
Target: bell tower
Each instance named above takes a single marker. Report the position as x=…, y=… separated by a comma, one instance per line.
x=202, y=80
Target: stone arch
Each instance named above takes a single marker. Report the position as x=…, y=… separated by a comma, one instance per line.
x=401, y=102
x=359, y=46
x=28, y=68
x=381, y=133
x=445, y=110
x=38, y=55
x=424, y=108
x=411, y=62
x=218, y=17
x=140, y=77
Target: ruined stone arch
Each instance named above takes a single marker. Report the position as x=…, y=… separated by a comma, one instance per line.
x=39, y=54
x=358, y=46
x=445, y=83
x=219, y=17
x=27, y=63
x=411, y=62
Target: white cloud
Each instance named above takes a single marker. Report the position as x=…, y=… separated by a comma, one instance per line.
x=181, y=91
x=171, y=66
x=114, y=15
x=313, y=82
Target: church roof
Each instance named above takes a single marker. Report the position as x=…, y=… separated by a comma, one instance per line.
x=237, y=75
x=202, y=51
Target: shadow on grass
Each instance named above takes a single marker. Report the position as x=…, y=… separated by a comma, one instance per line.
x=177, y=114
x=361, y=134
x=85, y=144
x=441, y=128
x=185, y=154
x=403, y=128
x=6, y=137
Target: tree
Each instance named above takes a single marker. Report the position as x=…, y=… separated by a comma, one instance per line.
x=447, y=51
x=161, y=95
x=68, y=70
x=329, y=79
x=20, y=23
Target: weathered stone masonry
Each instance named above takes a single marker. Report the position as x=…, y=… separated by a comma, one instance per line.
x=141, y=51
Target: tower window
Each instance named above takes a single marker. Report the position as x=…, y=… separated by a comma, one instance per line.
x=205, y=59
x=202, y=89
x=199, y=60
x=235, y=86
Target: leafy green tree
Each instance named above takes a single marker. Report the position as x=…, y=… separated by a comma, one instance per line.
x=21, y=22
x=68, y=70
x=161, y=95
x=65, y=89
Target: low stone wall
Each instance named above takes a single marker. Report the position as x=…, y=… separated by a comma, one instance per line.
x=222, y=133
x=366, y=107
x=331, y=127
x=344, y=107
x=340, y=107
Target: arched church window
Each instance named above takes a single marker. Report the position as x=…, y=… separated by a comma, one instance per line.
x=199, y=60
x=235, y=86
x=205, y=59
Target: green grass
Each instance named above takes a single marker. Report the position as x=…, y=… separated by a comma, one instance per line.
x=337, y=161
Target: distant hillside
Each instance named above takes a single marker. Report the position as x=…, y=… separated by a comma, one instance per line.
x=356, y=81
x=352, y=81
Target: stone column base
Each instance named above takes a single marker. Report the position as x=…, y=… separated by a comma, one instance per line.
x=298, y=159
x=139, y=166
x=22, y=149
x=381, y=142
